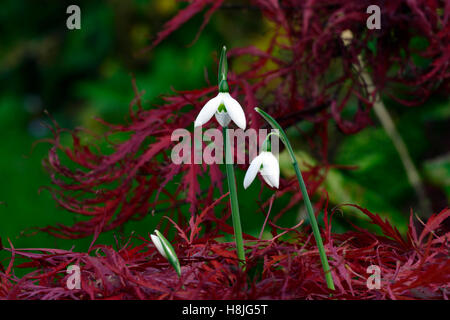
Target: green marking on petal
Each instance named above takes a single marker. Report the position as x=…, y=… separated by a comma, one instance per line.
x=222, y=108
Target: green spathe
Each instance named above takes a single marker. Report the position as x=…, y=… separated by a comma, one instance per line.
x=170, y=252
x=223, y=71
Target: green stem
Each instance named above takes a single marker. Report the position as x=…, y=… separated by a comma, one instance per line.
x=315, y=227
x=309, y=208
x=233, y=199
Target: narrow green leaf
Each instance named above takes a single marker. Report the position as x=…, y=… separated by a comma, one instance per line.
x=281, y=132
x=234, y=203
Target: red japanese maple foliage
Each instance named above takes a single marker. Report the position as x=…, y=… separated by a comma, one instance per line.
x=415, y=267
x=306, y=73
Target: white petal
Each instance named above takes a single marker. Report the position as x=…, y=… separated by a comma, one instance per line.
x=252, y=171
x=158, y=245
x=208, y=111
x=223, y=118
x=270, y=169
x=267, y=180
x=234, y=109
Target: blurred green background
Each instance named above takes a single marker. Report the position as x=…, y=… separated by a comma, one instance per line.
x=80, y=74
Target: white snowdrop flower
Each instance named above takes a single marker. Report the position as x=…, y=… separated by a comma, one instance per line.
x=267, y=165
x=225, y=108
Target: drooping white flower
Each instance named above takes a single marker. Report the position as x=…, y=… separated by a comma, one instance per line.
x=267, y=165
x=225, y=108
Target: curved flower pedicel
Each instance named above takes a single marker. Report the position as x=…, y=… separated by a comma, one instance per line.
x=166, y=250
x=267, y=165
x=312, y=218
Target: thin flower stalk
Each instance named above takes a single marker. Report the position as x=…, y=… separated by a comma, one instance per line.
x=235, y=216
x=309, y=208
x=226, y=109
x=231, y=179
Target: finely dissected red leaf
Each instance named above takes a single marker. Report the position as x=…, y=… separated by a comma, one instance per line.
x=290, y=269
x=291, y=80
x=385, y=226
x=306, y=73
x=186, y=14
x=433, y=222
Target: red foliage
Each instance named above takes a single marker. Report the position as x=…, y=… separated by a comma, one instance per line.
x=413, y=268
x=305, y=74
